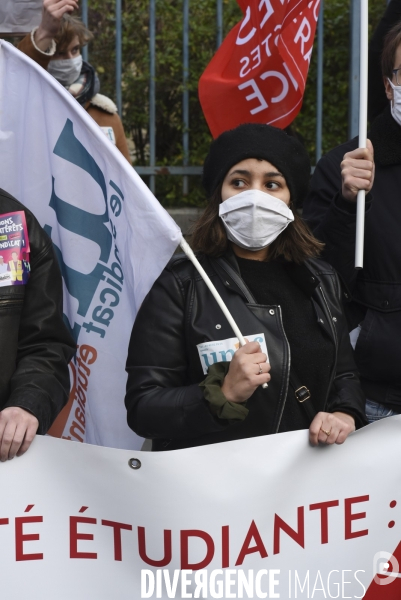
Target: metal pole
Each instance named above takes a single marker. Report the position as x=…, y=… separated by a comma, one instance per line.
x=354, y=80
x=152, y=91
x=185, y=95
x=319, y=93
x=118, y=56
x=363, y=121
x=219, y=22
x=84, y=16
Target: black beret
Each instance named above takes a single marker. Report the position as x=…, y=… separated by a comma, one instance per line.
x=256, y=140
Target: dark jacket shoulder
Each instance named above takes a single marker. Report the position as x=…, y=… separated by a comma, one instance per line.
x=322, y=269
x=184, y=270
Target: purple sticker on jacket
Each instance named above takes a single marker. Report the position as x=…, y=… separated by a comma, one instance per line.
x=14, y=249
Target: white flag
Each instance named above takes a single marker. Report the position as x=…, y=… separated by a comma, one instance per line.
x=111, y=235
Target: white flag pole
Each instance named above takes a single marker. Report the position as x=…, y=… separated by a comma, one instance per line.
x=363, y=119
x=189, y=252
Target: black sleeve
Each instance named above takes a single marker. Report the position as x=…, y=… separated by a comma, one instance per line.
x=161, y=401
x=333, y=218
x=40, y=384
x=346, y=394
x=377, y=99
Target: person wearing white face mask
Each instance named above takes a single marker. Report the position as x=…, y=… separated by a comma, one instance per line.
x=56, y=45
x=373, y=298
x=188, y=383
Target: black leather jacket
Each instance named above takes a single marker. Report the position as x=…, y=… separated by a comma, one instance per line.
x=35, y=345
x=164, y=400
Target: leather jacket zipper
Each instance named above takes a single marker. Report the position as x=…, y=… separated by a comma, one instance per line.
x=289, y=367
x=250, y=299
x=335, y=344
x=9, y=303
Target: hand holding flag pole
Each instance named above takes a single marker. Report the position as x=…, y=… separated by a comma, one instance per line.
x=189, y=252
x=363, y=117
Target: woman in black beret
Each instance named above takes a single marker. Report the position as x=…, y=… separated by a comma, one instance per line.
x=189, y=383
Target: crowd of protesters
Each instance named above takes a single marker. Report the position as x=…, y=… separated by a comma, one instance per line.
x=331, y=359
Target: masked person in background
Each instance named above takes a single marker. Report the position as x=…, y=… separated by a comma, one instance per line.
x=56, y=46
x=182, y=388
x=373, y=296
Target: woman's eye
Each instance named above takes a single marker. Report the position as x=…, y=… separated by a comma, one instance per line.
x=272, y=185
x=238, y=183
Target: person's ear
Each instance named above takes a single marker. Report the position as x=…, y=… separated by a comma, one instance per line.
x=389, y=90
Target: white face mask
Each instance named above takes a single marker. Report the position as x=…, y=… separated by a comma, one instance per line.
x=396, y=102
x=66, y=70
x=254, y=219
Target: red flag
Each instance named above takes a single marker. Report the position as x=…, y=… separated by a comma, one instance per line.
x=259, y=72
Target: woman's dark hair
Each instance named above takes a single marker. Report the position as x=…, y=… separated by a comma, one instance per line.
x=391, y=43
x=295, y=244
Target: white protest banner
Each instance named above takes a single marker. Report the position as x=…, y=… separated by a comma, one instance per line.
x=111, y=236
x=266, y=517
x=19, y=16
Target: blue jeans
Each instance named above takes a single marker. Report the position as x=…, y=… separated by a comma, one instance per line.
x=376, y=411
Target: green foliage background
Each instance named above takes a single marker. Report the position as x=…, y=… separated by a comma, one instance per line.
x=169, y=86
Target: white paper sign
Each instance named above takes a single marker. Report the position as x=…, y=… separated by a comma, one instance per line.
x=19, y=16
x=224, y=350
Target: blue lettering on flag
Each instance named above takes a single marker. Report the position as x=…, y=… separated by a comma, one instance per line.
x=90, y=226
x=71, y=149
